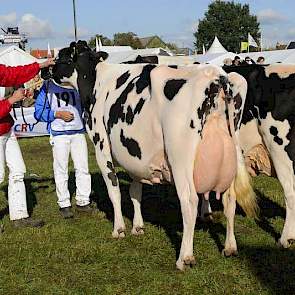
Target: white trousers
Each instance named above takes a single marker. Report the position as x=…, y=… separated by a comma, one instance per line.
x=62, y=147
x=10, y=154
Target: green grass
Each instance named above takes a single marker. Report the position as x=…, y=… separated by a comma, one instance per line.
x=80, y=257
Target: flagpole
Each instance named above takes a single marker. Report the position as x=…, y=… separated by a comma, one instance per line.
x=248, y=43
x=75, y=22
x=261, y=41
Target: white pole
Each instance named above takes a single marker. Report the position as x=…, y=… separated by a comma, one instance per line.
x=261, y=41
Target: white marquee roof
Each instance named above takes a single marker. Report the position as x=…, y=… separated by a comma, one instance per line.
x=13, y=56
x=216, y=47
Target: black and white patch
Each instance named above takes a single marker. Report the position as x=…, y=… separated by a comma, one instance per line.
x=122, y=79
x=208, y=104
x=144, y=78
x=172, y=87
x=131, y=145
x=274, y=131
x=112, y=175
x=96, y=138
x=131, y=113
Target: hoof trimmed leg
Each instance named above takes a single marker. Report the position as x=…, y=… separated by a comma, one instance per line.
x=181, y=264
x=285, y=244
x=229, y=252
x=120, y=233
x=137, y=230
x=207, y=218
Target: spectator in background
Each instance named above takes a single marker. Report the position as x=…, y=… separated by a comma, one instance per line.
x=248, y=61
x=227, y=62
x=10, y=152
x=236, y=61
x=260, y=60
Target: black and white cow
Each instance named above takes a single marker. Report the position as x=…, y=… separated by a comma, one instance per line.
x=153, y=120
x=150, y=59
x=270, y=108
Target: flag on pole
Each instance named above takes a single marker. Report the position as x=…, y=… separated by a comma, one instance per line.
x=204, y=50
x=48, y=51
x=251, y=41
x=96, y=45
x=100, y=44
x=244, y=46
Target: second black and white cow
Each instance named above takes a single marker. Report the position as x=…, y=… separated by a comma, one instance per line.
x=270, y=109
x=161, y=125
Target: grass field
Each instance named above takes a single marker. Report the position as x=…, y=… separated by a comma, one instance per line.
x=79, y=256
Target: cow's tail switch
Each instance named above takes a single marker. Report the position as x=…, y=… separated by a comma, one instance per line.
x=241, y=187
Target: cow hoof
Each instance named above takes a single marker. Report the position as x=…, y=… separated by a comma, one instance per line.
x=182, y=264
x=285, y=244
x=207, y=218
x=229, y=252
x=190, y=261
x=136, y=231
x=118, y=234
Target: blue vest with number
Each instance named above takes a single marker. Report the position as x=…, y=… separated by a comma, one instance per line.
x=63, y=98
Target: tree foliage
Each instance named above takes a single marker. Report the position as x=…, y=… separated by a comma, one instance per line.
x=230, y=22
x=104, y=40
x=127, y=39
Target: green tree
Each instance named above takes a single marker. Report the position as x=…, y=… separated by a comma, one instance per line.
x=104, y=40
x=127, y=39
x=156, y=42
x=230, y=22
x=173, y=47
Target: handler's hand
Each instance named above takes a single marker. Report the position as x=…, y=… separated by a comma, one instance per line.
x=64, y=115
x=49, y=62
x=17, y=95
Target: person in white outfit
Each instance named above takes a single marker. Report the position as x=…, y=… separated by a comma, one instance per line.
x=60, y=106
x=10, y=152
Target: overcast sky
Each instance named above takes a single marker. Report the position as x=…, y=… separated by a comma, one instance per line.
x=173, y=20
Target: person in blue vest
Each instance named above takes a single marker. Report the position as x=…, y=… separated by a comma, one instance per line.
x=60, y=106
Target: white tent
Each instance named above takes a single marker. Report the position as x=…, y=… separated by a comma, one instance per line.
x=14, y=56
x=216, y=47
x=275, y=56
x=214, y=58
x=175, y=60
x=111, y=49
x=118, y=57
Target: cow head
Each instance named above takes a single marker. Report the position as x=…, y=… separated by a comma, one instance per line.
x=76, y=65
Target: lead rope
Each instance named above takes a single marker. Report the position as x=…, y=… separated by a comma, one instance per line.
x=44, y=105
x=22, y=111
x=14, y=112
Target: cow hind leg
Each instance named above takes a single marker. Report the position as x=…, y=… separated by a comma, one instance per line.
x=229, y=204
x=284, y=170
x=288, y=233
x=135, y=192
x=286, y=176
x=189, y=208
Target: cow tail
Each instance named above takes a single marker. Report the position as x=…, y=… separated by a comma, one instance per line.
x=241, y=188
